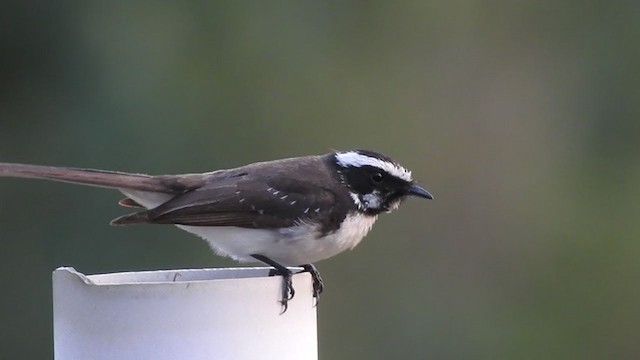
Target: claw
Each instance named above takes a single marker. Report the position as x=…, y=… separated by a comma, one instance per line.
x=288, y=291
x=318, y=284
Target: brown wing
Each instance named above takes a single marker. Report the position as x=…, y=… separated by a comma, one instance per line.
x=274, y=202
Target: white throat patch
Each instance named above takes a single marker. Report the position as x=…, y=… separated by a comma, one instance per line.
x=355, y=159
x=368, y=201
x=372, y=200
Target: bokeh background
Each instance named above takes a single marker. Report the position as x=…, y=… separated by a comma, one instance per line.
x=522, y=118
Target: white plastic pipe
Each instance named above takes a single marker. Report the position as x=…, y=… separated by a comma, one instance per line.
x=182, y=314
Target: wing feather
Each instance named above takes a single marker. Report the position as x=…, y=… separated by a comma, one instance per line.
x=242, y=202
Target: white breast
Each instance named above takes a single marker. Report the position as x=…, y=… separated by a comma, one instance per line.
x=297, y=245
x=292, y=246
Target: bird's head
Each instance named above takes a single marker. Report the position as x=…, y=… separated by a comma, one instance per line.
x=376, y=183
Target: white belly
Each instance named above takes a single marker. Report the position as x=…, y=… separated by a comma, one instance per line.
x=288, y=246
x=293, y=246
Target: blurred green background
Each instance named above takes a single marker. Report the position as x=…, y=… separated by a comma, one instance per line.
x=522, y=118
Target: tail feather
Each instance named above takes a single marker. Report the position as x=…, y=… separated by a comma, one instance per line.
x=110, y=179
x=130, y=219
x=130, y=203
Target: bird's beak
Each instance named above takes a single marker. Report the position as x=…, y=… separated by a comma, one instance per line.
x=417, y=190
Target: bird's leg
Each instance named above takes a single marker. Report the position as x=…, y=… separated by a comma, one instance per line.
x=287, y=290
x=318, y=285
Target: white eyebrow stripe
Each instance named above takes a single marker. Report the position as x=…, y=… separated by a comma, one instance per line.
x=352, y=158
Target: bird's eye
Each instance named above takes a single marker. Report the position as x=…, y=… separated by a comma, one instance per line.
x=376, y=178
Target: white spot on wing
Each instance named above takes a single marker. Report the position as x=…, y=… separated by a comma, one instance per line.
x=355, y=159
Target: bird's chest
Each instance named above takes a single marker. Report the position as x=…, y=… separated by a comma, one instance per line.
x=312, y=246
x=296, y=245
x=350, y=233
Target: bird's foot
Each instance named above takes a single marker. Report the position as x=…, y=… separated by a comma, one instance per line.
x=318, y=284
x=288, y=292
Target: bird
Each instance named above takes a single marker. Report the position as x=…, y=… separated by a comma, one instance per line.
x=283, y=213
